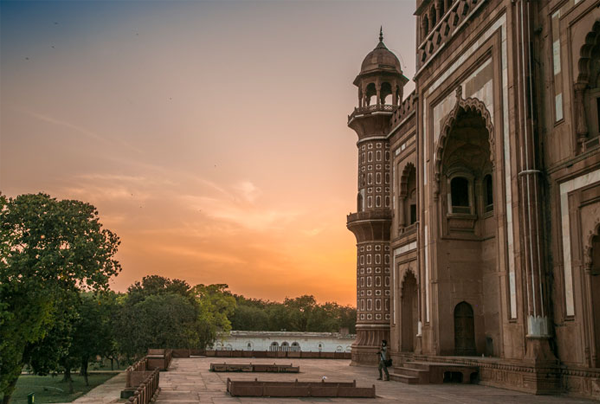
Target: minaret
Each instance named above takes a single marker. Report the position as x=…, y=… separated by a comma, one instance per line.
x=380, y=84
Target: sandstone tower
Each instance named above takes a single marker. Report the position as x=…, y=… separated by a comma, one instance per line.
x=380, y=84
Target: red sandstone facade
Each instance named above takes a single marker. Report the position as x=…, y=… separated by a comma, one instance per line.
x=478, y=205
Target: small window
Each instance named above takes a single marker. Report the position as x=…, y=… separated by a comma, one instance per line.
x=489, y=193
x=413, y=213
x=460, y=195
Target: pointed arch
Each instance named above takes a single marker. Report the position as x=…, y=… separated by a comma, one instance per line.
x=408, y=271
x=585, y=53
x=404, y=179
x=585, y=119
x=464, y=105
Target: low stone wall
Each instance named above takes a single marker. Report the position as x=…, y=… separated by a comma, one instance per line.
x=272, y=354
x=249, y=367
x=256, y=388
x=159, y=358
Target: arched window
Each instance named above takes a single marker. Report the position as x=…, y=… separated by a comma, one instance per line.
x=433, y=17
x=285, y=346
x=249, y=346
x=488, y=194
x=274, y=346
x=459, y=192
x=371, y=94
x=320, y=346
x=295, y=347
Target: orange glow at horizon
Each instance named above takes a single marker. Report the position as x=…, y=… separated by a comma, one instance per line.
x=211, y=136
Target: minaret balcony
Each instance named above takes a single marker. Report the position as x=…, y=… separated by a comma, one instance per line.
x=370, y=225
x=372, y=110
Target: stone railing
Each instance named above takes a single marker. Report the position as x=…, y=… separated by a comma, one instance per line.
x=370, y=109
x=406, y=230
x=147, y=390
x=405, y=109
x=373, y=214
x=136, y=373
x=445, y=29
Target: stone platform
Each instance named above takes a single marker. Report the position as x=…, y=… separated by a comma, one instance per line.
x=189, y=381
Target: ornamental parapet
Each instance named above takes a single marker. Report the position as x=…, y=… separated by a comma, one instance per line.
x=450, y=23
x=359, y=111
x=406, y=108
x=376, y=214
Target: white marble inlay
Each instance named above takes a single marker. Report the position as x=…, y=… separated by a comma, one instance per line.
x=556, y=56
x=537, y=326
x=440, y=112
x=565, y=189
x=427, y=286
x=405, y=248
x=558, y=107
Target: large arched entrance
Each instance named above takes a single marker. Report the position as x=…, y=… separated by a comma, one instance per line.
x=409, y=305
x=466, y=245
x=464, y=330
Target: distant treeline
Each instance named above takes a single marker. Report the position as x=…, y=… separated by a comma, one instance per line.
x=298, y=314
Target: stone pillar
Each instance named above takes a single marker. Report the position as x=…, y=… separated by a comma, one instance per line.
x=438, y=11
x=538, y=350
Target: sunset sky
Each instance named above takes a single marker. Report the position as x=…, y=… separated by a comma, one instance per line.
x=211, y=135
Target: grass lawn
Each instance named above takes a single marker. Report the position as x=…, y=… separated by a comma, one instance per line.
x=47, y=389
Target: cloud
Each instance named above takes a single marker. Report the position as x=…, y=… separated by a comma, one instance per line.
x=78, y=129
x=312, y=232
x=247, y=190
x=243, y=214
x=82, y=131
x=195, y=253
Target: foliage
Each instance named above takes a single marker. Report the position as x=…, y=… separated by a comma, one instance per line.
x=50, y=249
x=216, y=305
x=302, y=313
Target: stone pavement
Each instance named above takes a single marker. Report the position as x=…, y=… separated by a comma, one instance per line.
x=189, y=381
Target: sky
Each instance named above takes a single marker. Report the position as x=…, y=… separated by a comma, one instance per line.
x=210, y=135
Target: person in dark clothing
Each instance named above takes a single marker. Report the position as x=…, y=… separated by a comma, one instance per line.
x=382, y=357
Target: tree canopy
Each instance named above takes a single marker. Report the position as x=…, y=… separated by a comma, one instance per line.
x=50, y=249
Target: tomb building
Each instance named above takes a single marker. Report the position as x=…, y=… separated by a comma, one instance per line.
x=478, y=207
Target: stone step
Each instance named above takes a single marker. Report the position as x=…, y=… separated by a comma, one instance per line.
x=404, y=379
x=417, y=365
x=421, y=374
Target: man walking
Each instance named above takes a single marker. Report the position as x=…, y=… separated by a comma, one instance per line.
x=382, y=359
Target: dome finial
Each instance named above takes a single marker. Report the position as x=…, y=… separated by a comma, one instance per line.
x=381, y=33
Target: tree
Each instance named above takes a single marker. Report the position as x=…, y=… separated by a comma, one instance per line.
x=249, y=318
x=50, y=248
x=159, y=321
x=300, y=310
x=157, y=285
x=216, y=305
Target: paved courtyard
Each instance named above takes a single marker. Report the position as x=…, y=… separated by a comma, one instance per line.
x=189, y=381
